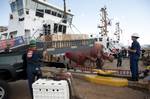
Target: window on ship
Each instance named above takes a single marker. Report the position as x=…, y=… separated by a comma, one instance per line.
x=54, y=13
x=60, y=28
x=40, y=10
x=64, y=29
x=39, y=13
x=55, y=28
x=20, y=7
x=47, y=11
x=13, y=6
x=59, y=15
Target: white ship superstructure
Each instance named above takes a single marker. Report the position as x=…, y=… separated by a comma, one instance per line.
x=29, y=18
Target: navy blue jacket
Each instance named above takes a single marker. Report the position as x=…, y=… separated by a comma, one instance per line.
x=135, y=46
x=34, y=62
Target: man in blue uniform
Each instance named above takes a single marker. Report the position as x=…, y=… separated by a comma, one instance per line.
x=134, y=52
x=33, y=64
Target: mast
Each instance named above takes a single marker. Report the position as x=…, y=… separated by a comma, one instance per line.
x=104, y=22
x=118, y=31
x=64, y=7
x=65, y=15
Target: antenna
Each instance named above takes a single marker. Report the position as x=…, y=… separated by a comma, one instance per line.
x=118, y=31
x=104, y=21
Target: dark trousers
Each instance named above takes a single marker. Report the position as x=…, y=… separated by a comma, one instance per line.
x=31, y=79
x=119, y=62
x=134, y=68
x=99, y=63
x=31, y=75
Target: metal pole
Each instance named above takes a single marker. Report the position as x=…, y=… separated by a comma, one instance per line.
x=65, y=9
x=105, y=21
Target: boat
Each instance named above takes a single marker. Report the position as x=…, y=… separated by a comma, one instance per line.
x=48, y=24
x=51, y=26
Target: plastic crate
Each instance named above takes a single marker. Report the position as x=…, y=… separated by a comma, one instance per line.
x=50, y=89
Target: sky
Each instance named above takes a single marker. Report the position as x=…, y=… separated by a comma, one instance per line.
x=133, y=15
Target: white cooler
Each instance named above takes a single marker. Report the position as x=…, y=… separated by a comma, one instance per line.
x=50, y=89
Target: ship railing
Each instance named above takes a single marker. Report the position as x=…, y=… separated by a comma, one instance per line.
x=65, y=44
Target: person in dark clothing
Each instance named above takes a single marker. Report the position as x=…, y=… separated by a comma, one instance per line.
x=24, y=58
x=143, y=51
x=119, y=58
x=33, y=64
x=124, y=52
x=99, y=63
x=134, y=52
